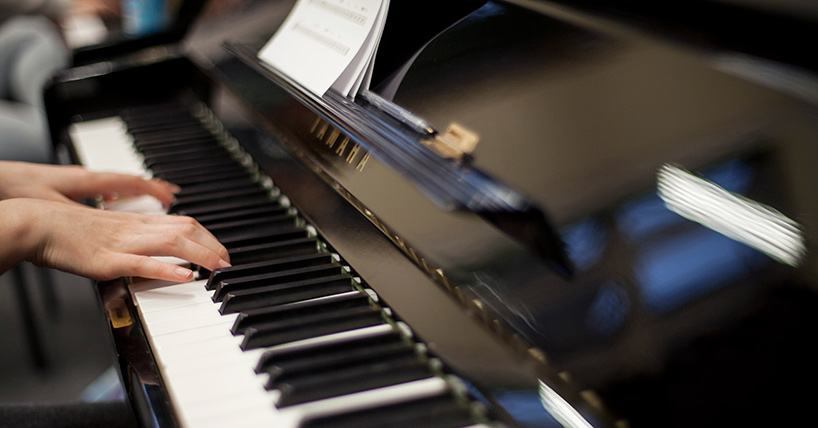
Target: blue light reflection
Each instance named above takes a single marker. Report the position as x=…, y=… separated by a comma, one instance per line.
x=526, y=408
x=678, y=270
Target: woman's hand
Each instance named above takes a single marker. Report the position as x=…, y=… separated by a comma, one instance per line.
x=72, y=183
x=102, y=244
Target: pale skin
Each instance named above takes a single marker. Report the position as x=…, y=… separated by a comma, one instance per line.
x=40, y=222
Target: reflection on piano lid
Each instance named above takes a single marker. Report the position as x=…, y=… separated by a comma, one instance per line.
x=540, y=280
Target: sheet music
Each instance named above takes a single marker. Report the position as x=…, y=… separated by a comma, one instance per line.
x=328, y=43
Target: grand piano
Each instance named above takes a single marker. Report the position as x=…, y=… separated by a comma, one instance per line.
x=541, y=214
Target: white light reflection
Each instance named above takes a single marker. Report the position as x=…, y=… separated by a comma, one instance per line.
x=734, y=216
x=563, y=412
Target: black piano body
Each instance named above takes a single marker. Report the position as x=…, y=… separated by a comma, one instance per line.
x=557, y=255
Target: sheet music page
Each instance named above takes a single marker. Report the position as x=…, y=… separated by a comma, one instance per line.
x=351, y=79
x=320, y=39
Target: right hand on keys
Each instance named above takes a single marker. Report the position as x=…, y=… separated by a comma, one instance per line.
x=103, y=244
x=41, y=223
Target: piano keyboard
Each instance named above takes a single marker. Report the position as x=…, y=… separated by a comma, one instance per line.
x=288, y=336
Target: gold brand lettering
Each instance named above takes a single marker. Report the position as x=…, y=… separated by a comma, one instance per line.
x=332, y=137
x=322, y=131
x=315, y=125
x=352, y=152
x=362, y=162
x=342, y=145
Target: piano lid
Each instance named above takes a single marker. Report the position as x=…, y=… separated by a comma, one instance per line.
x=629, y=149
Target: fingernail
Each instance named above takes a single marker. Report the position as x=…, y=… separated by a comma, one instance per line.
x=187, y=274
x=223, y=263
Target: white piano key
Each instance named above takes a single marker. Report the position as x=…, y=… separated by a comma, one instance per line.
x=229, y=405
x=225, y=382
x=182, y=294
x=253, y=419
x=190, y=310
x=188, y=323
x=214, y=360
x=212, y=344
x=104, y=145
x=186, y=337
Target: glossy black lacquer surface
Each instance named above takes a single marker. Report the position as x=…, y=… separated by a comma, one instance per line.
x=628, y=309
x=668, y=321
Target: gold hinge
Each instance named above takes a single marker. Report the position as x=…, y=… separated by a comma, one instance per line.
x=456, y=143
x=118, y=313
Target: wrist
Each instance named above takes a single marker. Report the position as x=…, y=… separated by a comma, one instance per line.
x=20, y=231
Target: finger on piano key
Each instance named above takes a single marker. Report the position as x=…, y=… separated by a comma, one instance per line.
x=138, y=204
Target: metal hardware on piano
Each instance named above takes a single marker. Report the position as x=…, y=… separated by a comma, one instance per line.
x=615, y=230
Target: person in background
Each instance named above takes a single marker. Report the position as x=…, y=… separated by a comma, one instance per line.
x=40, y=222
x=31, y=51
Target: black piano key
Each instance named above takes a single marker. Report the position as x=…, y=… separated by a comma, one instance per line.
x=441, y=411
x=281, y=374
x=242, y=214
x=155, y=112
x=173, y=143
x=301, y=311
x=205, y=200
x=294, y=355
x=188, y=134
x=326, y=384
x=262, y=252
x=268, y=296
x=269, y=279
x=197, y=189
x=261, y=337
x=257, y=225
x=223, y=206
x=154, y=115
x=172, y=153
x=166, y=123
x=289, y=263
x=240, y=238
x=192, y=175
x=188, y=155
x=169, y=123
x=222, y=194
x=251, y=240
x=176, y=143
x=205, y=177
x=348, y=356
x=184, y=168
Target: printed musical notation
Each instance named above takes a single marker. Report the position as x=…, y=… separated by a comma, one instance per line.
x=344, y=9
x=326, y=44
